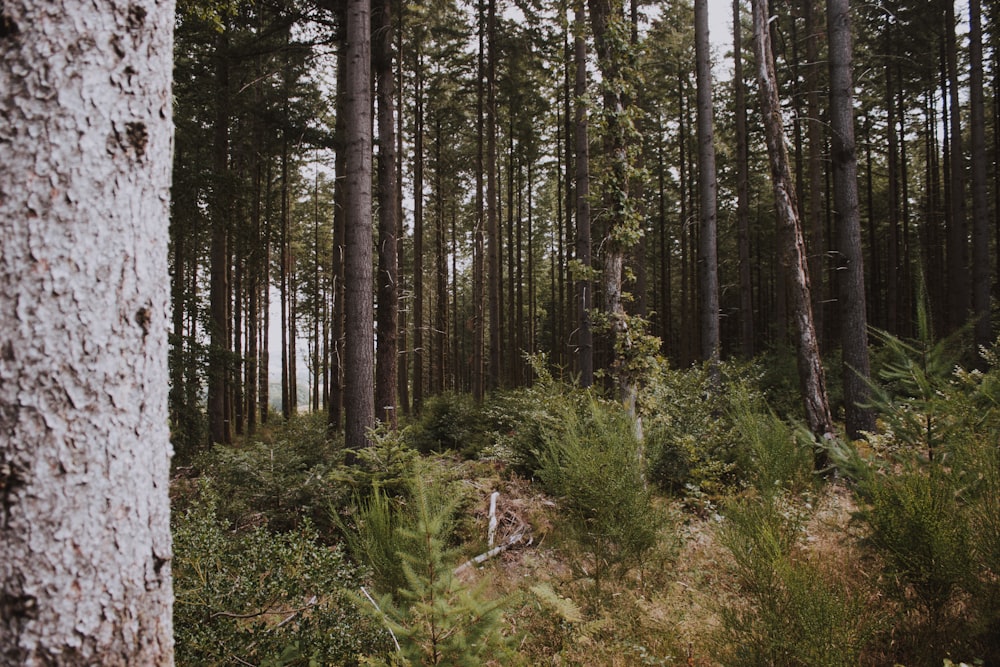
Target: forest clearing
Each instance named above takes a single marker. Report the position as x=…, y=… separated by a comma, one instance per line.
x=507, y=332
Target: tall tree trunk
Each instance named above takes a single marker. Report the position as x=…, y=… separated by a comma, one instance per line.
x=218, y=428
x=584, y=286
x=814, y=135
x=850, y=265
x=418, y=227
x=492, y=226
x=980, y=212
x=742, y=190
x=84, y=288
x=478, y=264
x=958, y=245
x=337, y=260
x=708, y=264
x=811, y=379
x=388, y=263
x=359, y=330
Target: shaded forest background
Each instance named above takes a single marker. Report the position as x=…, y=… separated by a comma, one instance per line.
x=490, y=248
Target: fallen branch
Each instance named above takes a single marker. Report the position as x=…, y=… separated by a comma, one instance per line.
x=375, y=604
x=485, y=556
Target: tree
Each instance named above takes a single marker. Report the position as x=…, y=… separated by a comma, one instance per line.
x=388, y=266
x=793, y=256
x=359, y=330
x=708, y=269
x=84, y=451
x=584, y=285
x=980, y=211
x=850, y=265
x=742, y=189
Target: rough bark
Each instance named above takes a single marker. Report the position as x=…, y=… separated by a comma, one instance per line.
x=793, y=256
x=388, y=266
x=958, y=244
x=708, y=270
x=84, y=292
x=742, y=190
x=980, y=211
x=218, y=428
x=359, y=330
x=847, y=218
x=492, y=225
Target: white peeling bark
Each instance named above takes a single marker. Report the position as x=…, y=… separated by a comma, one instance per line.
x=85, y=135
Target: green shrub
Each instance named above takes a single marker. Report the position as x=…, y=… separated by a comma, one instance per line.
x=435, y=618
x=789, y=612
x=917, y=526
x=774, y=455
x=522, y=422
x=449, y=422
x=275, y=483
x=262, y=598
x=594, y=468
x=691, y=440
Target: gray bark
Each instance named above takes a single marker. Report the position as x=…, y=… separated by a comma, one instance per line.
x=708, y=273
x=793, y=255
x=584, y=286
x=980, y=210
x=847, y=217
x=84, y=447
x=359, y=347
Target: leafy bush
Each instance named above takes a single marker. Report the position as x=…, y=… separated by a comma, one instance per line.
x=449, y=422
x=522, y=422
x=691, y=440
x=594, y=467
x=262, y=598
x=790, y=612
x=276, y=483
x=774, y=455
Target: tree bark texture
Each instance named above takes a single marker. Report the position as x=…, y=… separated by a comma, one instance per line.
x=584, y=286
x=847, y=217
x=359, y=352
x=793, y=256
x=980, y=210
x=388, y=264
x=85, y=97
x=708, y=273
x=742, y=190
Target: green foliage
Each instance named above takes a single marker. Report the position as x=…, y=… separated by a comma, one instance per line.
x=279, y=482
x=915, y=520
x=594, y=468
x=774, y=456
x=387, y=463
x=436, y=619
x=692, y=439
x=449, y=422
x=263, y=598
x=790, y=612
x=522, y=422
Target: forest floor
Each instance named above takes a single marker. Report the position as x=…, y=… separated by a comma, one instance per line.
x=666, y=612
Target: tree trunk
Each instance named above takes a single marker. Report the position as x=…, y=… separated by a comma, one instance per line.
x=958, y=244
x=850, y=265
x=418, y=228
x=811, y=379
x=388, y=267
x=492, y=226
x=742, y=191
x=708, y=269
x=584, y=286
x=336, y=406
x=84, y=288
x=980, y=211
x=359, y=330
x=218, y=428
